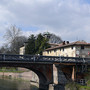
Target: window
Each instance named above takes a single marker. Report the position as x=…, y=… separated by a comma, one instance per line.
x=55, y=50
x=60, y=49
x=72, y=47
x=63, y=49
x=82, y=47
x=50, y=51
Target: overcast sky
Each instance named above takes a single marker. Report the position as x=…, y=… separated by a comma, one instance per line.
x=70, y=19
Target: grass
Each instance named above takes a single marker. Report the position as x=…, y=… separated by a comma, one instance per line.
x=75, y=86
x=13, y=70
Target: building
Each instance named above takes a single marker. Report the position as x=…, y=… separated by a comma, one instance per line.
x=22, y=50
x=74, y=49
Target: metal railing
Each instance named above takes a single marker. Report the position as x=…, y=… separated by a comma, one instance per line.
x=37, y=58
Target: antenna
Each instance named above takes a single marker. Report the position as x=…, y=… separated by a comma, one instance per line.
x=77, y=38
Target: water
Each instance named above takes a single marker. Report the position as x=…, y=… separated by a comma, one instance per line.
x=8, y=84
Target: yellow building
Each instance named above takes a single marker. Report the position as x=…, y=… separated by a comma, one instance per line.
x=74, y=49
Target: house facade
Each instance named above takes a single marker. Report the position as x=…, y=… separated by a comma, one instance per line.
x=66, y=49
x=22, y=50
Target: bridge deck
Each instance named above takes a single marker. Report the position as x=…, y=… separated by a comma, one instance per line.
x=43, y=59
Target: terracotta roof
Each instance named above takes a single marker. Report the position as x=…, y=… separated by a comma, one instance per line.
x=54, y=44
x=80, y=42
x=69, y=44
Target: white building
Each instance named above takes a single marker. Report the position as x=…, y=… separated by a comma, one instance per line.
x=74, y=49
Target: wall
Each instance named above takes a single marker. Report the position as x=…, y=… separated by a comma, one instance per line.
x=22, y=50
x=67, y=51
x=71, y=51
x=83, y=52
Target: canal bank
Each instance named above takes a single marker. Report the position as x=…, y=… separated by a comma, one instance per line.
x=29, y=76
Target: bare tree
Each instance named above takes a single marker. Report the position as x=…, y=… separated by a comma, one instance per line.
x=15, y=39
x=5, y=49
x=53, y=38
x=18, y=42
x=12, y=33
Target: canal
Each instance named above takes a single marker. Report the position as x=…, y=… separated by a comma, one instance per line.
x=9, y=84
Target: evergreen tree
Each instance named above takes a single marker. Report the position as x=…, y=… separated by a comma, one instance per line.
x=38, y=42
x=30, y=47
x=36, y=45
x=44, y=45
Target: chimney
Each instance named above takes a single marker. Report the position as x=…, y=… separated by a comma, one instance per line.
x=67, y=42
x=63, y=42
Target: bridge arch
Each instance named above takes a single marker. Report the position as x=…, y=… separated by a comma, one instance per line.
x=42, y=78
x=43, y=71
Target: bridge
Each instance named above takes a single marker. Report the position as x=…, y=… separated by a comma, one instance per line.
x=51, y=70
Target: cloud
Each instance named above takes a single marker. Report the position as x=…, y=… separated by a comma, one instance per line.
x=69, y=19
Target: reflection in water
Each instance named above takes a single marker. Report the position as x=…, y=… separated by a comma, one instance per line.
x=15, y=85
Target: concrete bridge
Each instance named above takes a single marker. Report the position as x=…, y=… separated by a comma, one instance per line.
x=52, y=70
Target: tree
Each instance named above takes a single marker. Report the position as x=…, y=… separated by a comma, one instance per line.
x=18, y=42
x=44, y=45
x=15, y=39
x=36, y=44
x=41, y=43
x=53, y=38
x=4, y=49
x=30, y=47
x=12, y=33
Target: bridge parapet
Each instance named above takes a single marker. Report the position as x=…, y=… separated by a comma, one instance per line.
x=47, y=59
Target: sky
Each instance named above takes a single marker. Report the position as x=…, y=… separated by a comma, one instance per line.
x=69, y=19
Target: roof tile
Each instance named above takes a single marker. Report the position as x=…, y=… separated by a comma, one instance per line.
x=69, y=44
